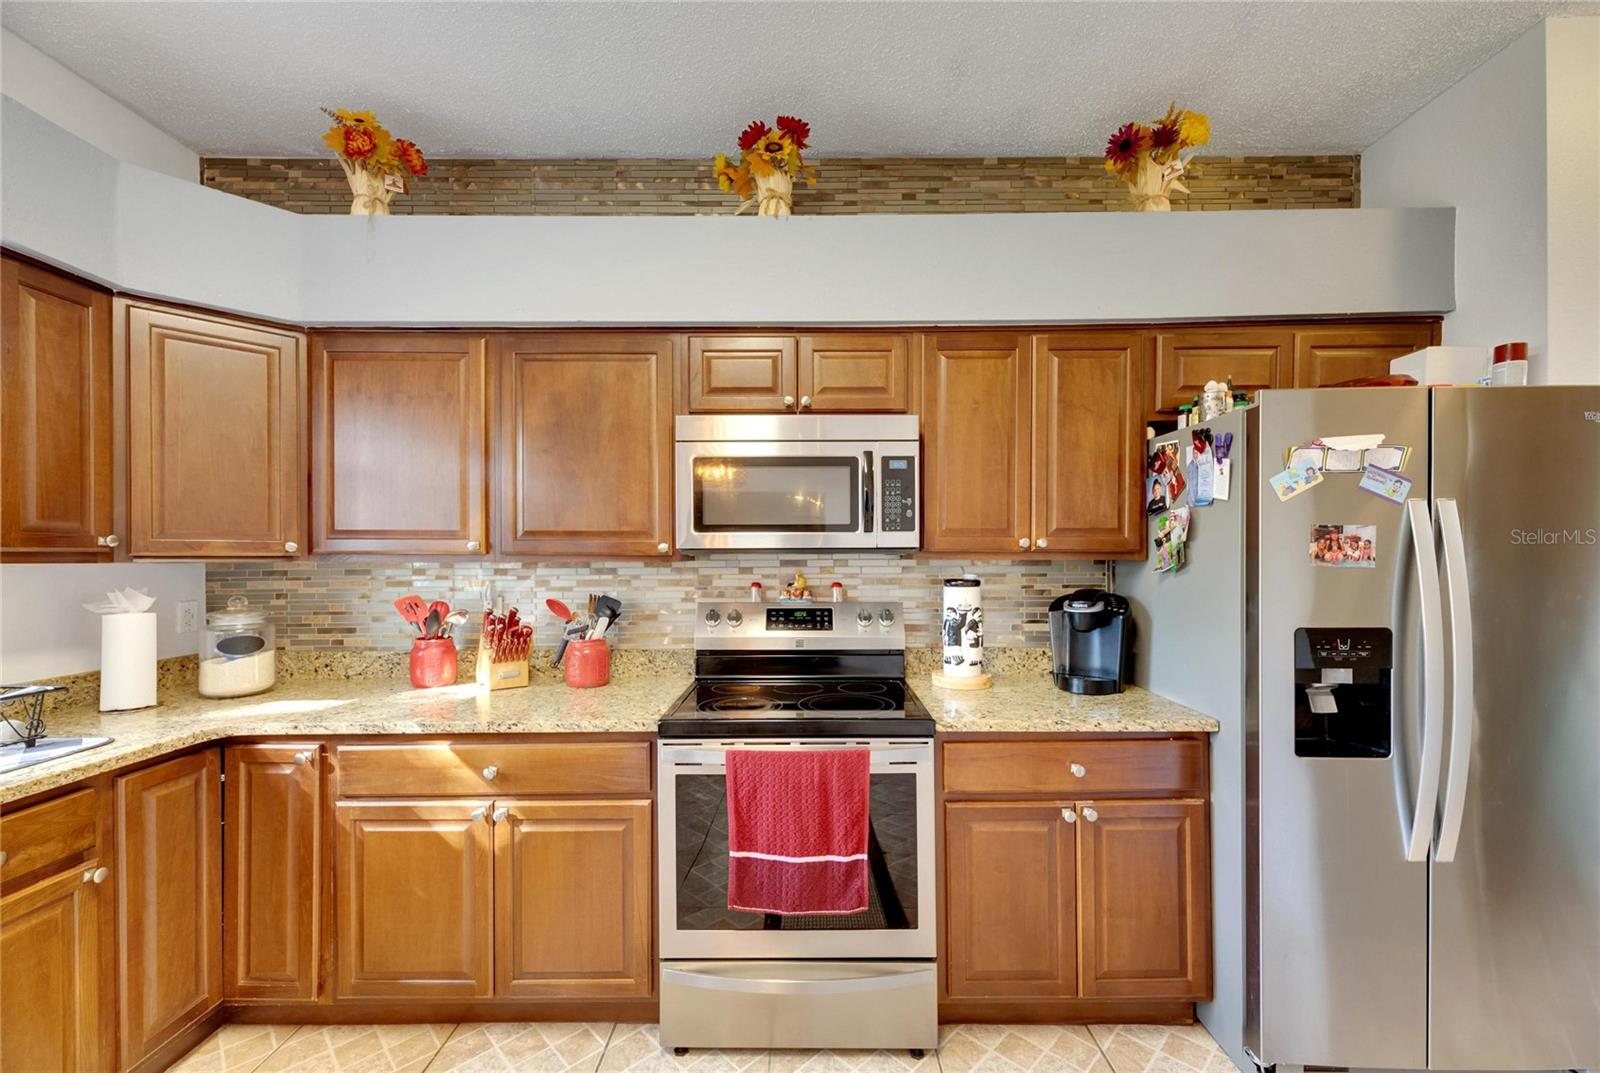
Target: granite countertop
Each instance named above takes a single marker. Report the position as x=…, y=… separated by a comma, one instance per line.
x=1023, y=700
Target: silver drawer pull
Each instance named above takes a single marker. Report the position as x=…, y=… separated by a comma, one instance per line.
x=1078, y=770
x=96, y=875
x=490, y=772
x=1069, y=815
x=1090, y=814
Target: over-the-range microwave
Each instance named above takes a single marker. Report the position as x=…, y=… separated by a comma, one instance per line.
x=797, y=481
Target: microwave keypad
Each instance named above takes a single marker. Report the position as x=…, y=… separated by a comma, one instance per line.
x=899, y=494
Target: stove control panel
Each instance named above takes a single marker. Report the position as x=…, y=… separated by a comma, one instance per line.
x=874, y=625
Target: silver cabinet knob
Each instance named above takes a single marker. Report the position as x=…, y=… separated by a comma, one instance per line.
x=805, y=401
x=788, y=400
x=1090, y=814
x=499, y=814
x=1023, y=543
x=473, y=545
x=490, y=772
x=290, y=546
x=96, y=875
x=1042, y=542
x=1069, y=815
x=305, y=756
x=663, y=548
x=1078, y=770
x=110, y=540
x=479, y=813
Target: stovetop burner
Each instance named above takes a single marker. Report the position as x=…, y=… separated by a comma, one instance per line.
x=826, y=707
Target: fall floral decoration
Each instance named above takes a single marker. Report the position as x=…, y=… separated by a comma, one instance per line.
x=769, y=163
x=375, y=162
x=1151, y=159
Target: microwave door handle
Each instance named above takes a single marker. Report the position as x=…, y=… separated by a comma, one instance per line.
x=1463, y=700
x=867, y=500
x=1419, y=838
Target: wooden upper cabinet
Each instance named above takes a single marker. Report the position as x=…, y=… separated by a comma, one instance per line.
x=741, y=373
x=52, y=982
x=56, y=417
x=415, y=894
x=1186, y=358
x=1145, y=899
x=272, y=871
x=398, y=448
x=1088, y=443
x=169, y=899
x=1010, y=916
x=852, y=373
x=584, y=444
x=977, y=442
x=573, y=899
x=216, y=434
x=1326, y=356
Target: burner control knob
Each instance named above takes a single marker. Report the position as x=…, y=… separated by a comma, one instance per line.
x=863, y=617
x=886, y=617
x=712, y=618
x=734, y=617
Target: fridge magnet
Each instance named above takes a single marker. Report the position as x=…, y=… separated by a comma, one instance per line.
x=1166, y=478
x=1344, y=545
x=1171, y=540
x=1389, y=456
x=1385, y=484
x=1224, y=466
x=1291, y=482
x=1307, y=454
x=1342, y=460
x=1156, y=496
x=1202, y=470
x=1351, y=443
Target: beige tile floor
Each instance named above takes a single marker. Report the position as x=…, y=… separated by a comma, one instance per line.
x=609, y=1048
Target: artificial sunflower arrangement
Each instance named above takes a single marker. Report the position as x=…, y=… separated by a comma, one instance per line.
x=375, y=162
x=1151, y=159
x=769, y=163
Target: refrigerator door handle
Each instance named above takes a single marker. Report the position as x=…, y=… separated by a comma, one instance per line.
x=1463, y=701
x=1420, y=836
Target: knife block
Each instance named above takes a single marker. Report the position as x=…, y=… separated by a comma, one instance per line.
x=507, y=675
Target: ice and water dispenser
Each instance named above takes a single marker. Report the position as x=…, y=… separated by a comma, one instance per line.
x=1342, y=691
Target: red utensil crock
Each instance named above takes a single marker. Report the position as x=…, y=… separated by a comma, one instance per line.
x=588, y=663
x=433, y=662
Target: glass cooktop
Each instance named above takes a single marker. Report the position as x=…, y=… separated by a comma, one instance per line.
x=832, y=707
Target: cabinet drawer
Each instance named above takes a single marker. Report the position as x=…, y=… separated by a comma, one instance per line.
x=442, y=768
x=38, y=837
x=1160, y=768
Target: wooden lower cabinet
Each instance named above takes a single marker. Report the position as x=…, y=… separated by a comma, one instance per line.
x=169, y=899
x=414, y=887
x=573, y=907
x=272, y=872
x=52, y=982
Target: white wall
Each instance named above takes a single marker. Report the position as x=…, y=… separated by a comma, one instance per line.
x=45, y=632
x=1572, y=125
x=29, y=76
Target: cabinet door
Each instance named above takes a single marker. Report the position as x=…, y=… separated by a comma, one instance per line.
x=415, y=899
x=215, y=436
x=55, y=417
x=1144, y=899
x=272, y=871
x=1188, y=357
x=741, y=373
x=1088, y=443
x=1325, y=356
x=397, y=443
x=585, y=444
x=977, y=439
x=854, y=373
x=1010, y=922
x=572, y=894
x=51, y=980
x=169, y=899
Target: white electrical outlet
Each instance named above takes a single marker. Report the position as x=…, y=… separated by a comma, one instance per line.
x=188, y=616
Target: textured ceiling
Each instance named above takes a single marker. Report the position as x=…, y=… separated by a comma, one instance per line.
x=679, y=79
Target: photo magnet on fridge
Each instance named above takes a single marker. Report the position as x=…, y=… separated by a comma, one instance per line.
x=1344, y=545
x=1291, y=482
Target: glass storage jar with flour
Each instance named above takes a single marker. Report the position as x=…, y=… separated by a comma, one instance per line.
x=239, y=655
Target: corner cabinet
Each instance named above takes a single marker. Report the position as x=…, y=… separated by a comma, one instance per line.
x=584, y=444
x=216, y=435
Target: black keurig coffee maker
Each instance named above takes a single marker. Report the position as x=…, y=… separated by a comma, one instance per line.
x=1089, y=635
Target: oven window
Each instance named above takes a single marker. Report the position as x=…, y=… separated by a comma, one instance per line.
x=701, y=845
x=777, y=495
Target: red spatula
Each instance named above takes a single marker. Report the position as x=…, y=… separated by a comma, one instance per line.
x=413, y=609
x=559, y=609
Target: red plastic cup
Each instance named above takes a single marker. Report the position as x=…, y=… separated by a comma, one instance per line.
x=588, y=663
x=433, y=662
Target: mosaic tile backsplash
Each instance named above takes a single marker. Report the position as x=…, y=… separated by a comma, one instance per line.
x=344, y=604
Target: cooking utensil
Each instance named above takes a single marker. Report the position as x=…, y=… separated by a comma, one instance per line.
x=575, y=631
x=559, y=609
x=607, y=610
x=413, y=609
x=452, y=620
x=430, y=626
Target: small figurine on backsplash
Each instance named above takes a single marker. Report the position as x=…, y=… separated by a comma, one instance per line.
x=797, y=590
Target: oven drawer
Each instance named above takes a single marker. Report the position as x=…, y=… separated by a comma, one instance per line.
x=447, y=769
x=1075, y=768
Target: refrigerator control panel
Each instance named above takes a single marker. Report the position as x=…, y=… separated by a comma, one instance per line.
x=1359, y=647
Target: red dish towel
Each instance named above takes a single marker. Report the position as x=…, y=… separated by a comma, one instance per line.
x=797, y=830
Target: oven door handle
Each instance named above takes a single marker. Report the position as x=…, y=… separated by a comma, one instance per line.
x=884, y=757
x=773, y=985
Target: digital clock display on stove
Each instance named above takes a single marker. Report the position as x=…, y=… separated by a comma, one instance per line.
x=799, y=618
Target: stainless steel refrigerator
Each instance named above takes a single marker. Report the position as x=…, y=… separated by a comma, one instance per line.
x=1418, y=732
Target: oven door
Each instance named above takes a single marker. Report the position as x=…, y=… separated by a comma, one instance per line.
x=692, y=851
x=775, y=494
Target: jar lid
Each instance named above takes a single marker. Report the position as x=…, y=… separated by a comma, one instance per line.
x=239, y=613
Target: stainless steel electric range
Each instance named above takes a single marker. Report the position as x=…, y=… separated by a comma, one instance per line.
x=797, y=676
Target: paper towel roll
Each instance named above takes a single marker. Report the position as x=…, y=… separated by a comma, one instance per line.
x=127, y=661
x=962, y=627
